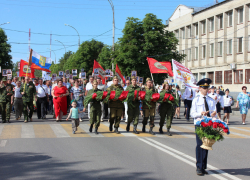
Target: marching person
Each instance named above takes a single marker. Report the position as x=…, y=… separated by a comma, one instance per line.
x=166, y=109
x=149, y=111
x=202, y=105
x=88, y=87
x=125, y=103
x=6, y=99
x=177, y=111
x=219, y=103
x=189, y=95
x=101, y=87
x=18, y=101
x=228, y=100
x=116, y=106
x=95, y=109
x=28, y=90
x=41, y=98
x=243, y=103
x=50, y=102
x=133, y=111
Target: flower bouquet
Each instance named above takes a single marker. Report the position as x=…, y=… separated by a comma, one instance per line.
x=117, y=94
x=148, y=97
x=210, y=131
x=167, y=97
x=99, y=96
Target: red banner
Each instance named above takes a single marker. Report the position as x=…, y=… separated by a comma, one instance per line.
x=23, y=70
x=99, y=71
x=160, y=67
x=118, y=72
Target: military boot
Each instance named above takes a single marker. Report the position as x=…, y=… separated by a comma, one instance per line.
x=96, y=130
x=160, y=130
x=144, y=128
x=91, y=127
x=151, y=131
x=110, y=127
x=116, y=131
x=135, y=131
x=168, y=132
x=128, y=127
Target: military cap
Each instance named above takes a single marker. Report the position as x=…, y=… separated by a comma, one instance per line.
x=148, y=79
x=4, y=79
x=227, y=90
x=204, y=82
x=212, y=87
x=133, y=77
x=115, y=77
x=165, y=82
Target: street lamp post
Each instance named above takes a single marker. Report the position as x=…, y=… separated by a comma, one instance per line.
x=4, y=23
x=54, y=53
x=77, y=33
x=62, y=44
x=113, y=47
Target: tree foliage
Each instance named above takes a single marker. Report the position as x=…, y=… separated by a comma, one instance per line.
x=5, y=57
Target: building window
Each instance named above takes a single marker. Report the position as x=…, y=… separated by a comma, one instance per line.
x=220, y=22
x=247, y=76
x=212, y=50
x=211, y=24
x=183, y=52
x=189, y=31
x=240, y=15
x=230, y=19
x=196, y=52
x=203, y=25
x=195, y=76
x=228, y=77
x=238, y=76
x=240, y=45
x=218, y=77
x=202, y=75
x=196, y=29
x=220, y=48
x=204, y=52
x=176, y=34
x=183, y=33
x=189, y=54
x=211, y=76
x=229, y=46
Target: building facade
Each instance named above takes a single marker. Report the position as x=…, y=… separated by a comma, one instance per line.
x=216, y=41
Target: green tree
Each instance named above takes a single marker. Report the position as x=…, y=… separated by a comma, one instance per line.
x=5, y=57
x=142, y=39
x=15, y=69
x=63, y=60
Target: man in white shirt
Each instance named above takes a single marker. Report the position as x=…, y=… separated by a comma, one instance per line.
x=125, y=103
x=18, y=102
x=202, y=105
x=101, y=87
x=88, y=87
x=14, y=81
x=41, y=99
x=189, y=94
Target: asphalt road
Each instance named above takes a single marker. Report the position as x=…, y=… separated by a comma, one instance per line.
x=45, y=149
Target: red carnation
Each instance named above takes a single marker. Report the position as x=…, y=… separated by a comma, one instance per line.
x=94, y=96
x=171, y=98
x=210, y=123
x=203, y=124
x=215, y=125
x=221, y=125
x=225, y=130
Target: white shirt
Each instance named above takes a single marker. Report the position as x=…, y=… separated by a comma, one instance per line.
x=42, y=90
x=217, y=98
x=17, y=92
x=89, y=86
x=198, y=106
x=227, y=101
x=13, y=83
x=183, y=96
x=188, y=93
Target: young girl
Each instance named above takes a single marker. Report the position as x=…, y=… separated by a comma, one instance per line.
x=74, y=116
x=227, y=105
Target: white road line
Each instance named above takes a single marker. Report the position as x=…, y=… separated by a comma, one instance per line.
x=182, y=133
x=59, y=131
x=156, y=131
x=239, y=129
x=27, y=131
x=3, y=143
x=123, y=131
x=1, y=129
x=193, y=159
x=85, y=127
x=238, y=134
x=179, y=157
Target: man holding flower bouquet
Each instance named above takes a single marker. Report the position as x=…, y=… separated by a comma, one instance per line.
x=202, y=105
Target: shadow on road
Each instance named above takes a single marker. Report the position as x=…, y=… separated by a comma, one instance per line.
x=235, y=172
x=38, y=166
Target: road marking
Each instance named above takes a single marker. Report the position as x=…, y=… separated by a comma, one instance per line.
x=124, y=131
x=157, y=144
x=11, y=131
x=242, y=128
x=43, y=131
x=85, y=127
x=78, y=133
x=181, y=133
x=1, y=129
x=240, y=131
x=27, y=131
x=105, y=127
x=59, y=131
x=3, y=143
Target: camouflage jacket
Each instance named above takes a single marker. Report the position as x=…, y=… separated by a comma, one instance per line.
x=163, y=93
x=117, y=103
x=4, y=90
x=91, y=91
x=29, y=91
x=152, y=104
x=133, y=88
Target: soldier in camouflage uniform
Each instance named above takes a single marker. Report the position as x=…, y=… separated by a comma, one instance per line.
x=28, y=90
x=116, y=106
x=6, y=99
x=166, y=110
x=149, y=111
x=95, y=109
x=133, y=111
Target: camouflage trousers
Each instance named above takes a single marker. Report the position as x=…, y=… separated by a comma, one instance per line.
x=166, y=113
x=115, y=116
x=95, y=114
x=6, y=109
x=27, y=105
x=133, y=114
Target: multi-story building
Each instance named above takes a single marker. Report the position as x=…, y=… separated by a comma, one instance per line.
x=216, y=41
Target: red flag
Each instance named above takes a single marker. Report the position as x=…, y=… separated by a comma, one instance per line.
x=99, y=71
x=23, y=70
x=160, y=67
x=118, y=72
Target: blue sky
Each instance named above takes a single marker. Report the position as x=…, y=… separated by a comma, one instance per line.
x=90, y=17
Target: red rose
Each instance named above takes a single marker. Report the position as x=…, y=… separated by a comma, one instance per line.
x=171, y=98
x=203, y=124
x=210, y=123
x=221, y=125
x=94, y=96
x=225, y=130
x=215, y=125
